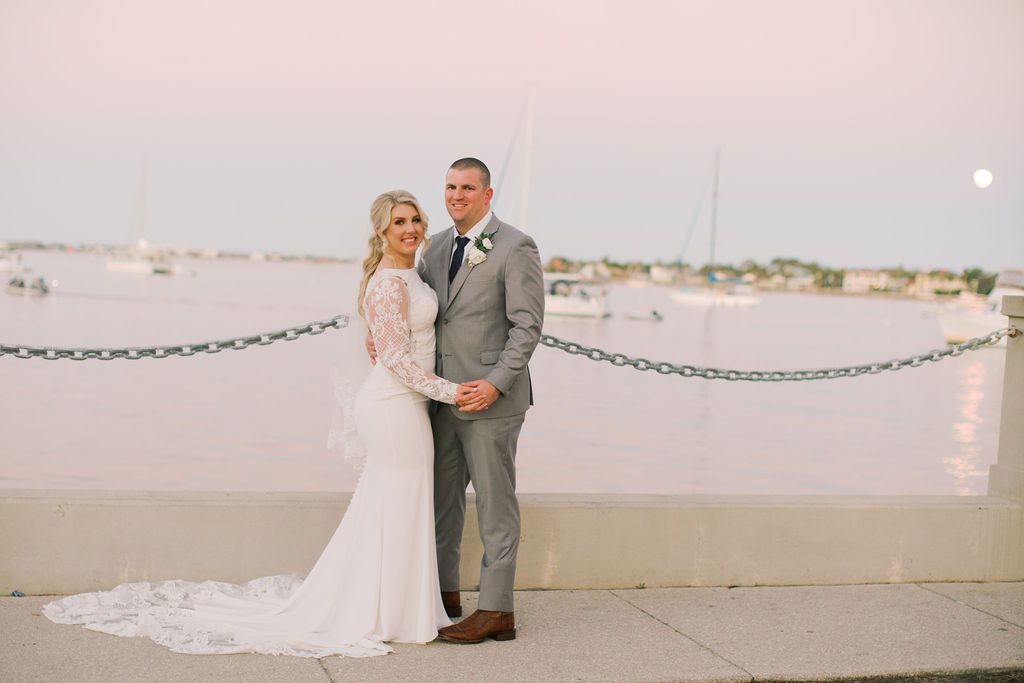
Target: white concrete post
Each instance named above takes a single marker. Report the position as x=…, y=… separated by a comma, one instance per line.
x=1006, y=477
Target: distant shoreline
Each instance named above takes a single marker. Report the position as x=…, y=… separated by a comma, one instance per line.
x=173, y=252
x=617, y=273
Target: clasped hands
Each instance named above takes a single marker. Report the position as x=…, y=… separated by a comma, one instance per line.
x=470, y=397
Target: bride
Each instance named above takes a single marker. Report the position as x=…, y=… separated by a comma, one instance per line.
x=377, y=579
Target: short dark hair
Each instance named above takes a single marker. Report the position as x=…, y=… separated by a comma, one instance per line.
x=471, y=162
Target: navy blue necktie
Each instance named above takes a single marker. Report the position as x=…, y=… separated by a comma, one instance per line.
x=457, y=257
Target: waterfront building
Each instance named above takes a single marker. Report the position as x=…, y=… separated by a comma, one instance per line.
x=864, y=281
x=928, y=285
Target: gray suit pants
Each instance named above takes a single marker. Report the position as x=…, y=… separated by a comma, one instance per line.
x=481, y=451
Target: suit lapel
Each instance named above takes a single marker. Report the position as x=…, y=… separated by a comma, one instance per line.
x=439, y=265
x=460, y=277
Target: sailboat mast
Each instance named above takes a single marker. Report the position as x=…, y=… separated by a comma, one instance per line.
x=139, y=206
x=511, y=148
x=714, y=212
x=527, y=161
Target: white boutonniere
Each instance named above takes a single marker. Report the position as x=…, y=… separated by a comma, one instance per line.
x=478, y=252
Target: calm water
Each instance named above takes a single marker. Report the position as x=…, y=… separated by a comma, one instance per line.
x=258, y=419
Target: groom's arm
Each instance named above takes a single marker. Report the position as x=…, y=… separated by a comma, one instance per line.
x=524, y=308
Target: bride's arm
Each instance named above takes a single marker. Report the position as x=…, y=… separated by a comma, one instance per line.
x=387, y=314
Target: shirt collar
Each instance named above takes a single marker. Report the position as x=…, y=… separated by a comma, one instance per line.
x=477, y=229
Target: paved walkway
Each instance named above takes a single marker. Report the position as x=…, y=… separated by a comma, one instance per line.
x=934, y=631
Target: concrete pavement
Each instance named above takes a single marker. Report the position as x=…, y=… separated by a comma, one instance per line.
x=932, y=631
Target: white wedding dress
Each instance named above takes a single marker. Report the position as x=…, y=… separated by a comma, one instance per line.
x=376, y=580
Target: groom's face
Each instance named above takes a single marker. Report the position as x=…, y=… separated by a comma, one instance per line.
x=466, y=198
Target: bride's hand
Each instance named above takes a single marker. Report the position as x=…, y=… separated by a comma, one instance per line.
x=480, y=394
x=464, y=393
x=371, y=348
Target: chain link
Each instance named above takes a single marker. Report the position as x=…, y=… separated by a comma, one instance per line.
x=135, y=353
x=664, y=368
x=572, y=348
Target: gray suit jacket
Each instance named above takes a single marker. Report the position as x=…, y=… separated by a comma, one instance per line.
x=489, y=319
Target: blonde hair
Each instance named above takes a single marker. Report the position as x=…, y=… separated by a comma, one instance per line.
x=380, y=219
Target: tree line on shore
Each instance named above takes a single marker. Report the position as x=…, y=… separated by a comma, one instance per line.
x=780, y=272
x=783, y=270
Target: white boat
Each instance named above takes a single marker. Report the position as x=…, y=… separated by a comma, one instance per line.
x=565, y=295
x=647, y=316
x=162, y=265
x=140, y=258
x=129, y=261
x=22, y=285
x=969, y=318
x=718, y=293
x=736, y=296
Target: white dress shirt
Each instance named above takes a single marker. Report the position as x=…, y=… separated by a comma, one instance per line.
x=472, y=233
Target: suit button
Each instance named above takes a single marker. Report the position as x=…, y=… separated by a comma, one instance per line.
x=445, y=321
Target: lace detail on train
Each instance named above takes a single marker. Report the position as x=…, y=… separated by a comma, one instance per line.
x=388, y=315
x=183, y=616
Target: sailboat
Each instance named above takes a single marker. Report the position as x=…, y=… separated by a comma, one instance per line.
x=565, y=294
x=719, y=292
x=140, y=258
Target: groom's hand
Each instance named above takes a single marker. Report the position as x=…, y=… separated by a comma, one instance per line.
x=481, y=394
x=371, y=348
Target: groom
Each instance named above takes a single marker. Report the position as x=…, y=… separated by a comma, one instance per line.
x=490, y=291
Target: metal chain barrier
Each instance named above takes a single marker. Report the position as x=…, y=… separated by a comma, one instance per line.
x=664, y=368
x=572, y=348
x=134, y=353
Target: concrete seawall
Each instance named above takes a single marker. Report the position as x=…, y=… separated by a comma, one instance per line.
x=67, y=541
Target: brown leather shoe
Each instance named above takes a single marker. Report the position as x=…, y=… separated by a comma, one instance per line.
x=452, y=601
x=479, y=625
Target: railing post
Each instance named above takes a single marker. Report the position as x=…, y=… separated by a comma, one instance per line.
x=1006, y=477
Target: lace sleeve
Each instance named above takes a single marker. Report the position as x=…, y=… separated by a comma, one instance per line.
x=387, y=313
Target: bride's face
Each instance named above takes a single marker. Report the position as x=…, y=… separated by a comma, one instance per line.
x=404, y=233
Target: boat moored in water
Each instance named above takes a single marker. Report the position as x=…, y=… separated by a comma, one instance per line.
x=141, y=259
x=647, y=316
x=564, y=295
x=968, y=318
x=728, y=296
x=719, y=292
x=22, y=285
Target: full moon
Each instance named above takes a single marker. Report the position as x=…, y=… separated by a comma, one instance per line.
x=982, y=178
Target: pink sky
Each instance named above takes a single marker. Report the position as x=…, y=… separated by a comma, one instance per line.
x=849, y=129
